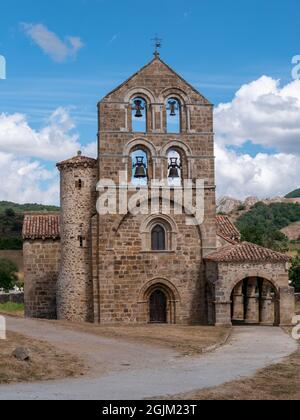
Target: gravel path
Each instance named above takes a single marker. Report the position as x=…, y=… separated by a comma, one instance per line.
x=138, y=371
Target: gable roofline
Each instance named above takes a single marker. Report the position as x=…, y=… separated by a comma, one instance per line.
x=242, y=252
x=147, y=65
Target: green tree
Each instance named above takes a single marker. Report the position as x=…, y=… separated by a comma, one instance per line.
x=294, y=273
x=9, y=213
x=8, y=274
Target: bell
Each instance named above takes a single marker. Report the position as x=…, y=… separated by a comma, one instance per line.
x=138, y=108
x=140, y=168
x=173, y=108
x=174, y=168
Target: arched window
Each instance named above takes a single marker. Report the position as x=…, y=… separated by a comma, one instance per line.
x=158, y=238
x=139, y=115
x=173, y=109
x=174, y=168
x=139, y=161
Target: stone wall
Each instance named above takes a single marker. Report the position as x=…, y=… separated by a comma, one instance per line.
x=14, y=297
x=75, y=287
x=223, y=277
x=41, y=266
x=128, y=271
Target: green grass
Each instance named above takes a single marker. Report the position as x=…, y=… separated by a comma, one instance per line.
x=11, y=307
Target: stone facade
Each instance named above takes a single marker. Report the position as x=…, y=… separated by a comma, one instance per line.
x=226, y=281
x=78, y=196
x=41, y=267
x=109, y=270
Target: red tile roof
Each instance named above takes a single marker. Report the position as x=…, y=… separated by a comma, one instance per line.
x=246, y=252
x=41, y=226
x=78, y=160
x=227, y=230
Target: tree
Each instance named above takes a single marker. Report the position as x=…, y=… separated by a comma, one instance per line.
x=9, y=213
x=294, y=273
x=8, y=274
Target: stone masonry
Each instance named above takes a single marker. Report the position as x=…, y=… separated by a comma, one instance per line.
x=85, y=266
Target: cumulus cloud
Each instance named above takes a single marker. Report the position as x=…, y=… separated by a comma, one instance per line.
x=264, y=175
x=27, y=181
x=55, y=141
x=57, y=49
x=268, y=115
x=26, y=154
x=264, y=113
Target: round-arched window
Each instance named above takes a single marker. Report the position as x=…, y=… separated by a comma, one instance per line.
x=173, y=109
x=174, y=168
x=158, y=238
x=139, y=115
x=139, y=161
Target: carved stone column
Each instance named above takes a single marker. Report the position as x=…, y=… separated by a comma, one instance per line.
x=238, y=303
x=252, y=302
x=267, y=305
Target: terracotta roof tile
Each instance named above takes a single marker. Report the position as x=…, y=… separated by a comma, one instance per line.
x=227, y=230
x=246, y=252
x=41, y=226
x=78, y=160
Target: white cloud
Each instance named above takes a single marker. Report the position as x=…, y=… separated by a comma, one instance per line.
x=241, y=176
x=268, y=115
x=23, y=181
x=25, y=151
x=263, y=112
x=113, y=39
x=56, y=141
x=59, y=50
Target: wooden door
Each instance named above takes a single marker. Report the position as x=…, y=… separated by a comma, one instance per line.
x=158, y=307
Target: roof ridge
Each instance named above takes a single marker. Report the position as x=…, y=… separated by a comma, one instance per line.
x=156, y=58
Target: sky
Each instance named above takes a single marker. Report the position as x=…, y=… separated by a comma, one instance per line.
x=63, y=56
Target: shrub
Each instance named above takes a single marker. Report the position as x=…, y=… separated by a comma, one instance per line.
x=294, y=273
x=8, y=274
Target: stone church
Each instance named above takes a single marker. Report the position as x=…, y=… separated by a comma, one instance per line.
x=81, y=265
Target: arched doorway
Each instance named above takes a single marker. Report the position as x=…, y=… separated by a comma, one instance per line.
x=158, y=307
x=255, y=300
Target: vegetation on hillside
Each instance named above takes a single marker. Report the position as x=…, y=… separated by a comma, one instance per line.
x=294, y=273
x=294, y=194
x=22, y=208
x=8, y=274
x=11, y=222
x=261, y=225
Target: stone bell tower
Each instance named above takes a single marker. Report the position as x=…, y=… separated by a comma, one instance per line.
x=154, y=125
x=78, y=178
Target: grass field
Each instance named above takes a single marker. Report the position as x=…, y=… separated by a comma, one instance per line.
x=11, y=308
x=187, y=340
x=45, y=361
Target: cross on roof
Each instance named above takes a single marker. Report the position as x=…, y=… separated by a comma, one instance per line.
x=157, y=44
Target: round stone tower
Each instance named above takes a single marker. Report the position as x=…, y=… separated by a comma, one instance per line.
x=78, y=178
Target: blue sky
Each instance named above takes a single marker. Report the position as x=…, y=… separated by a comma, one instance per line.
x=218, y=46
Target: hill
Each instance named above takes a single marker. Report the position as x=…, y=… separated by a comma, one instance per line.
x=263, y=223
x=22, y=208
x=294, y=194
x=11, y=222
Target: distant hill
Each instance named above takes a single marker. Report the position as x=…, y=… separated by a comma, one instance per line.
x=294, y=194
x=11, y=222
x=263, y=224
x=22, y=208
